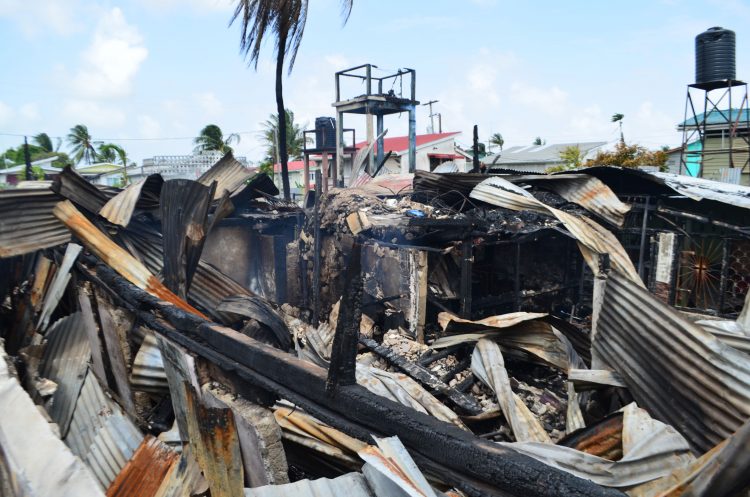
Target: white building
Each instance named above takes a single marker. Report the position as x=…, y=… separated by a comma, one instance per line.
x=179, y=166
x=537, y=158
x=432, y=150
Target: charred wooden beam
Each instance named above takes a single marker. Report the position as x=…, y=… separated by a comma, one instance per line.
x=423, y=376
x=344, y=350
x=355, y=411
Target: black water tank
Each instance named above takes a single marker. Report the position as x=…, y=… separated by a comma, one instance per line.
x=715, y=55
x=325, y=132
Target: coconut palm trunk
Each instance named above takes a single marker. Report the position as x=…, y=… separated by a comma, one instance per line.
x=282, y=141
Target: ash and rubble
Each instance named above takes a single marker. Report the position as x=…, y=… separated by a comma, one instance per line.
x=463, y=337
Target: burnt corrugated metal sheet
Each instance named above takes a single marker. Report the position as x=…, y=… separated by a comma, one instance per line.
x=112, y=447
x=73, y=186
x=229, y=174
x=593, y=238
x=27, y=223
x=587, y=191
x=57, y=286
x=144, y=473
x=349, y=485
x=143, y=194
x=148, y=368
x=92, y=410
x=65, y=362
x=678, y=371
x=37, y=463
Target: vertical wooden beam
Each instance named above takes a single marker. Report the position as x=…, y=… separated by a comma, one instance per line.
x=307, y=172
x=324, y=172
x=467, y=259
x=412, y=139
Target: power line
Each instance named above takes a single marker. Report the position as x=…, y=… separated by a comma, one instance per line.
x=174, y=138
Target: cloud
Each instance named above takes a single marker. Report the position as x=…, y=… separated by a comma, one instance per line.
x=112, y=60
x=41, y=16
x=29, y=111
x=209, y=103
x=199, y=5
x=94, y=114
x=6, y=113
x=552, y=101
x=148, y=127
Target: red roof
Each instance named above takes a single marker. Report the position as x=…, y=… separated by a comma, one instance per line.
x=292, y=165
x=401, y=143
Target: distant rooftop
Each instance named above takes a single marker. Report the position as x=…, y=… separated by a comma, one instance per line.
x=719, y=117
x=537, y=154
x=400, y=144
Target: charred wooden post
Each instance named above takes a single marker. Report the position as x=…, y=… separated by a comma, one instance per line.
x=316, y=251
x=467, y=259
x=344, y=350
x=478, y=466
x=642, y=248
x=423, y=376
x=475, y=151
x=517, y=280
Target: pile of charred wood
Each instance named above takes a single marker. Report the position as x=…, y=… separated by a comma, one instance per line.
x=132, y=366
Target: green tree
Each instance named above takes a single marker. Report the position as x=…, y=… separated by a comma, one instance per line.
x=109, y=152
x=82, y=144
x=212, y=138
x=295, y=137
x=497, y=140
x=43, y=141
x=539, y=141
x=285, y=21
x=630, y=156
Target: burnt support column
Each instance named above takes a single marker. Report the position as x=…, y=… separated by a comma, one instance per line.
x=467, y=260
x=642, y=250
x=316, y=252
x=666, y=263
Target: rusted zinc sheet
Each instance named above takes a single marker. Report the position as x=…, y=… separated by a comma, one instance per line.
x=216, y=445
x=349, y=485
x=144, y=473
x=65, y=362
x=592, y=237
x=603, y=439
x=35, y=460
x=488, y=366
x=116, y=257
x=229, y=174
x=112, y=447
x=143, y=194
x=678, y=371
x=27, y=223
x=587, y=191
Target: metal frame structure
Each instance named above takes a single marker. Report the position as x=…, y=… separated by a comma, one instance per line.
x=379, y=103
x=713, y=94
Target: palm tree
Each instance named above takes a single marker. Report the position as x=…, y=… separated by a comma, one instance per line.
x=286, y=21
x=82, y=145
x=43, y=141
x=295, y=136
x=212, y=138
x=617, y=118
x=497, y=140
x=112, y=153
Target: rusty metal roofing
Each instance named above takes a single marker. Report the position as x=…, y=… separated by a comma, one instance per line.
x=112, y=447
x=587, y=191
x=390, y=470
x=65, y=362
x=73, y=186
x=593, y=238
x=678, y=371
x=229, y=174
x=38, y=462
x=119, y=209
x=144, y=473
x=27, y=223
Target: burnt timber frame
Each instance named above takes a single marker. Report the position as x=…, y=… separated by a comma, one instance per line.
x=477, y=466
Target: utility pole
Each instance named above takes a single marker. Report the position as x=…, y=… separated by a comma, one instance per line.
x=475, y=150
x=440, y=122
x=27, y=158
x=432, y=122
